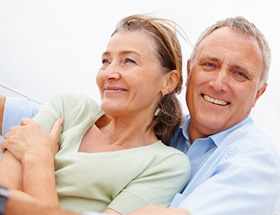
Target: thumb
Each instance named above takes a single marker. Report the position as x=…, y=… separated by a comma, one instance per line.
x=3, y=146
x=56, y=128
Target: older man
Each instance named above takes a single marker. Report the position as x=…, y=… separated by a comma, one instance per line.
x=235, y=166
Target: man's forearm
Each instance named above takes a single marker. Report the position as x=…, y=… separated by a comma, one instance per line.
x=2, y=105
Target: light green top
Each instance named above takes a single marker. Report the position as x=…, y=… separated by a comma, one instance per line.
x=122, y=180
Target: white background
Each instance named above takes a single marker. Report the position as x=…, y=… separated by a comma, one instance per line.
x=47, y=46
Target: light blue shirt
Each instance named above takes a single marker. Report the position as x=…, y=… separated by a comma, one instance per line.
x=16, y=109
x=234, y=172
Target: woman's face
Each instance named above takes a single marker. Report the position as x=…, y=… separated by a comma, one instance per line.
x=130, y=79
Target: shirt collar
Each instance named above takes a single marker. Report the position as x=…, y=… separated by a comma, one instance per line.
x=216, y=138
x=185, y=126
x=219, y=137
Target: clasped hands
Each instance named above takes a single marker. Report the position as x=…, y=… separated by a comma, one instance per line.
x=30, y=139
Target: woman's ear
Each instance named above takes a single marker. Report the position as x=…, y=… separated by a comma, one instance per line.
x=188, y=67
x=170, y=81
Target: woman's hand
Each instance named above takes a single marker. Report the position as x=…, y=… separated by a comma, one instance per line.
x=30, y=139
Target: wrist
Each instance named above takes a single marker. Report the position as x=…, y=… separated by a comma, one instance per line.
x=33, y=163
x=38, y=159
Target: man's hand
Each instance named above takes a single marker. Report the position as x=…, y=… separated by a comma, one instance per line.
x=159, y=210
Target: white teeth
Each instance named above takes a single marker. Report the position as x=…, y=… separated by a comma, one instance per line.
x=215, y=101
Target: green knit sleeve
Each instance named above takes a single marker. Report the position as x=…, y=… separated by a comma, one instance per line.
x=50, y=112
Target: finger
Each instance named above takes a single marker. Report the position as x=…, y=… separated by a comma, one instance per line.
x=14, y=128
x=3, y=145
x=56, y=128
x=26, y=121
x=12, y=131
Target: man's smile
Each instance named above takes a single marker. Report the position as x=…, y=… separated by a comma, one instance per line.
x=215, y=101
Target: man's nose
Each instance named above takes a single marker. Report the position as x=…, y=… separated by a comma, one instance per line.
x=220, y=80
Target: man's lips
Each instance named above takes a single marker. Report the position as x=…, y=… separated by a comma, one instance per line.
x=214, y=100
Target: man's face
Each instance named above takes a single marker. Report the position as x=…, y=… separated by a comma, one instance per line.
x=224, y=82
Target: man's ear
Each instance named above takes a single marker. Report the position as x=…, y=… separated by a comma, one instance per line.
x=259, y=93
x=170, y=81
x=188, y=71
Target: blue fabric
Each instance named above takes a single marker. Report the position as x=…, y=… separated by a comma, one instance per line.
x=236, y=171
x=16, y=109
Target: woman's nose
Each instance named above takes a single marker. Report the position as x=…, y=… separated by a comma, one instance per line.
x=112, y=72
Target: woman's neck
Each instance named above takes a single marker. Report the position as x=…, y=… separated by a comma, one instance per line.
x=129, y=132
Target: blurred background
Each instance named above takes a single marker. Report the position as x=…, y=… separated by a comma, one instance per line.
x=49, y=46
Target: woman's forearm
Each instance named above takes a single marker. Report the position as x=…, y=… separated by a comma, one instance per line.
x=39, y=179
x=10, y=171
x=17, y=204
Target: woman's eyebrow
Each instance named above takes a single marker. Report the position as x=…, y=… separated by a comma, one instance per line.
x=129, y=52
x=125, y=52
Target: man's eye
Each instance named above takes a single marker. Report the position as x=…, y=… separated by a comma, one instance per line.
x=209, y=64
x=241, y=74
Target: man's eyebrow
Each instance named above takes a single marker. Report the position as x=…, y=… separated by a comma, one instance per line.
x=242, y=68
x=208, y=58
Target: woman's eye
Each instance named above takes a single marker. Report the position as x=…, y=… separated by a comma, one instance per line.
x=104, y=61
x=128, y=60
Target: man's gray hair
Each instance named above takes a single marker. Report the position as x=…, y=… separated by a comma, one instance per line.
x=243, y=26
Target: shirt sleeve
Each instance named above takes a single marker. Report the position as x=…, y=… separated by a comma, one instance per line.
x=16, y=109
x=51, y=111
x=156, y=185
x=247, y=182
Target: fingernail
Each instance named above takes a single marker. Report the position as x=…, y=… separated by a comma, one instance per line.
x=60, y=121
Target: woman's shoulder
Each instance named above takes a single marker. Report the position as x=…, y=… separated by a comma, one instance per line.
x=169, y=154
x=165, y=149
x=77, y=105
x=75, y=98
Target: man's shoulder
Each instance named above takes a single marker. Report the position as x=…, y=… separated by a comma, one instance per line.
x=17, y=108
x=248, y=134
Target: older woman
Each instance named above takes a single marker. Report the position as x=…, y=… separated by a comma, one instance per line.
x=112, y=157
